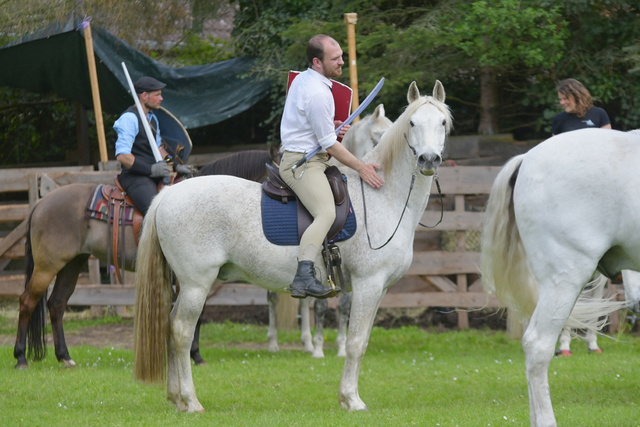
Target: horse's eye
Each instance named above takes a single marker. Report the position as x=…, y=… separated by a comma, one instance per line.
x=444, y=123
x=411, y=123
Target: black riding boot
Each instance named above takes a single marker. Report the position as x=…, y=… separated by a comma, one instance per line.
x=305, y=283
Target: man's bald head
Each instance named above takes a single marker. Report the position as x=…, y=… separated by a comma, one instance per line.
x=315, y=47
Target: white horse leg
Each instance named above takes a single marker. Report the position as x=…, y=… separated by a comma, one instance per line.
x=344, y=307
x=551, y=313
x=565, y=343
x=591, y=337
x=320, y=307
x=173, y=378
x=631, y=281
x=272, y=333
x=364, y=306
x=305, y=325
x=183, y=324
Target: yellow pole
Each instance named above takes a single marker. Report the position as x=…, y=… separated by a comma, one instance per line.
x=95, y=91
x=351, y=19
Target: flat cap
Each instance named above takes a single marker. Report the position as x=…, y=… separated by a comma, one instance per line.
x=148, y=84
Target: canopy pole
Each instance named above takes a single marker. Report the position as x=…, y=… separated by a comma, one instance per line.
x=95, y=91
x=351, y=19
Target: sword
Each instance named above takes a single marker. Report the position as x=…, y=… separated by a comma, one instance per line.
x=145, y=122
x=355, y=114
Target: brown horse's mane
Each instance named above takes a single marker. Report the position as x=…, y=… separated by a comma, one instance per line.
x=244, y=164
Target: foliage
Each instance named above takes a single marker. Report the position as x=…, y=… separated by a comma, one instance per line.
x=502, y=33
x=408, y=377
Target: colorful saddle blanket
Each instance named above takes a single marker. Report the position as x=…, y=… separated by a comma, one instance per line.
x=98, y=207
x=280, y=223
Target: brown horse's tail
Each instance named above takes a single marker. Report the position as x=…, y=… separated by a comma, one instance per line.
x=153, y=303
x=37, y=344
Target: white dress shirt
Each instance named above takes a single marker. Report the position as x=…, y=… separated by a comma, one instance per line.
x=309, y=110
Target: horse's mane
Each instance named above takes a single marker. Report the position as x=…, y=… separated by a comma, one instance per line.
x=244, y=164
x=393, y=142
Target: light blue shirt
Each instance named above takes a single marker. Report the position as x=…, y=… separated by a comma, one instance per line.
x=127, y=129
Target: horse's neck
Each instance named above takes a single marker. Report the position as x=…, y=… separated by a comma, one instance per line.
x=397, y=184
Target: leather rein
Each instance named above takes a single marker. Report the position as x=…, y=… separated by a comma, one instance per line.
x=413, y=179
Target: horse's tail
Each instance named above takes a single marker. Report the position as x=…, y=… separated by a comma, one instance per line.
x=505, y=267
x=153, y=302
x=37, y=344
x=504, y=264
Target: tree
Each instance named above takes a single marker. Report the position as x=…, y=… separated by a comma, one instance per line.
x=501, y=35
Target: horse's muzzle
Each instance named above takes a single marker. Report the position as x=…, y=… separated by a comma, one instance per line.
x=428, y=163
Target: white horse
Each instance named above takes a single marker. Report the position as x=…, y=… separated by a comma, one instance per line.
x=555, y=215
x=216, y=233
x=361, y=138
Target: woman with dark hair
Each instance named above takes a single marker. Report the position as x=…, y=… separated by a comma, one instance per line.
x=579, y=112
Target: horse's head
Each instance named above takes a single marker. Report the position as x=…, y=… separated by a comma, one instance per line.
x=429, y=123
x=421, y=129
x=378, y=124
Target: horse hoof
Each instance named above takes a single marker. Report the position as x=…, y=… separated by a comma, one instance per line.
x=564, y=353
x=597, y=350
x=69, y=364
x=21, y=366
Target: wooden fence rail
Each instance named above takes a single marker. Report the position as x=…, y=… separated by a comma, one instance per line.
x=436, y=278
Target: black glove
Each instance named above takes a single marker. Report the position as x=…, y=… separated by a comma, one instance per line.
x=187, y=171
x=160, y=170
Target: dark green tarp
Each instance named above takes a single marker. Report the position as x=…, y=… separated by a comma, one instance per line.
x=54, y=59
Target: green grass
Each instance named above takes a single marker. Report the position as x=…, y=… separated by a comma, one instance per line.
x=408, y=377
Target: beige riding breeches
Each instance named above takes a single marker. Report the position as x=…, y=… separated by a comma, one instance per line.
x=314, y=192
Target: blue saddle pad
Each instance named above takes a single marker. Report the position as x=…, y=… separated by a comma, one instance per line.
x=280, y=222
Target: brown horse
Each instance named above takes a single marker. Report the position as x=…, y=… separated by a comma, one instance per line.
x=59, y=242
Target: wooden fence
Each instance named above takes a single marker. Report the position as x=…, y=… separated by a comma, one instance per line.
x=436, y=278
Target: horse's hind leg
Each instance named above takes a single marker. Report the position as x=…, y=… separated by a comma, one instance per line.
x=592, y=338
x=565, y=343
x=344, y=308
x=30, y=300
x=320, y=308
x=305, y=325
x=552, y=311
x=272, y=333
x=65, y=285
x=195, y=344
x=184, y=317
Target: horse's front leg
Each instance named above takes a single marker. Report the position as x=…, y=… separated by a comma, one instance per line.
x=184, y=317
x=305, y=325
x=364, y=305
x=320, y=308
x=344, y=308
x=272, y=333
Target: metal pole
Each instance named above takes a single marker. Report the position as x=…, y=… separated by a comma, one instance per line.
x=95, y=91
x=351, y=19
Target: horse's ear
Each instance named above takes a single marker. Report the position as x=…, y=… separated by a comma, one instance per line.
x=378, y=112
x=438, y=91
x=413, y=93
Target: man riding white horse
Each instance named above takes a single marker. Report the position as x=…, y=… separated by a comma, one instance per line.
x=308, y=123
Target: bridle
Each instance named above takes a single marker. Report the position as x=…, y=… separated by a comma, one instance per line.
x=413, y=179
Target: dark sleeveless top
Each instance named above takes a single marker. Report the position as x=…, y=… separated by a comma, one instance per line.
x=141, y=148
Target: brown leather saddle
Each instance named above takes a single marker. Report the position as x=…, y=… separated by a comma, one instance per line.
x=118, y=201
x=275, y=188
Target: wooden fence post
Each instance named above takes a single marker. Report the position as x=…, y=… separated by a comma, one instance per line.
x=351, y=19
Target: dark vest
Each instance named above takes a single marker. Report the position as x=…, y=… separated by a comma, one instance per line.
x=141, y=148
